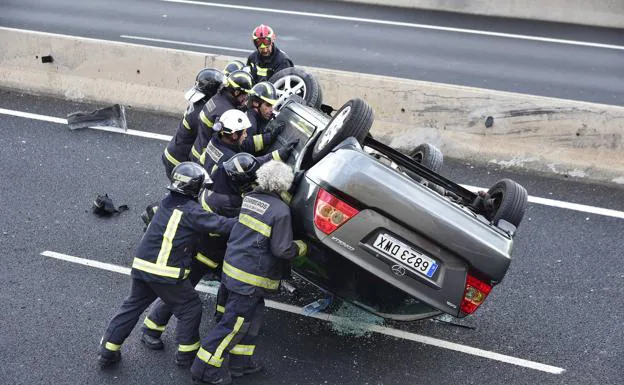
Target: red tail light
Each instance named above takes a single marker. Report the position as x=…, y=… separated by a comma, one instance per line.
x=330, y=212
x=474, y=294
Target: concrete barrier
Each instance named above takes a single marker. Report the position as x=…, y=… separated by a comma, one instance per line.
x=545, y=134
x=601, y=13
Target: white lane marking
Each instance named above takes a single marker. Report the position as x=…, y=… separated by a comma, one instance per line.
x=404, y=24
x=331, y=318
x=563, y=205
x=167, y=138
x=247, y=51
x=52, y=119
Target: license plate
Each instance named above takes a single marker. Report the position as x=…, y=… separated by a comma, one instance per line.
x=413, y=259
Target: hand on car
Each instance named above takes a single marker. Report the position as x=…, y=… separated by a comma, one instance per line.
x=288, y=148
x=276, y=127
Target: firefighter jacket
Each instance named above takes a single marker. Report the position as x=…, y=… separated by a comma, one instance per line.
x=257, y=139
x=179, y=148
x=210, y=113
x=166, y=250
x=260, y=245
x=262, y=68
x=217, y=152
x=225, y=200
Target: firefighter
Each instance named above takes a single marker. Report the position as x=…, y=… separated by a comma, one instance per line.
x=267, y=59
x=232, y=66
x=233, y=179
x=260, y=101
x=207, y=83
x=162, y=266
x=229, y=139
x=232, y=95
x=258, y=251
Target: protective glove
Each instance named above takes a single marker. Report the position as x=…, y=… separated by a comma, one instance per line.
x=302, y=248
x=275, y=127
x=288, y=148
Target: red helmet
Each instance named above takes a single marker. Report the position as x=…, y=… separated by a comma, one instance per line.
x=263, y=35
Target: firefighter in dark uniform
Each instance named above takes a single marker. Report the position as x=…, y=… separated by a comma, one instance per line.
x=207, y=83
x=260, y=247
x=233, y=179
x=232, y=66
x=162, y=266
x=267, y=59
x=260, y=101
x=232, y=95
x=229, y=139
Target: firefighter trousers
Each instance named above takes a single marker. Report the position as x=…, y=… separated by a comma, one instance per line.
x=160, y=313
x=183, y=300
x=232, y=338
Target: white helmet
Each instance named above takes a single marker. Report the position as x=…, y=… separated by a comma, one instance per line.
x=232, y=121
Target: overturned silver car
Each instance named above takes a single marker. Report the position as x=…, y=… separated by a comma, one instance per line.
x=386, y=231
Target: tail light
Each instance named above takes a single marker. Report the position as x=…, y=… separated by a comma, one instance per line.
x=330, y=212
x=474, y=294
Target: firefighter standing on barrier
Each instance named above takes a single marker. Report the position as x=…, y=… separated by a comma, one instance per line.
x=257, y=258
x=267, y=59
x=233, y=95
x=207, y=83
x=233, y=179
x=162, y=266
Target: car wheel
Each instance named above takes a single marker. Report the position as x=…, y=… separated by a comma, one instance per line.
x=429, y=156
x=297, y=81
x=354, y=118
x=506, y=200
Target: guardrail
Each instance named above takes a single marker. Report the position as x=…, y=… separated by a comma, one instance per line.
x=538, y=133
x=604, y=13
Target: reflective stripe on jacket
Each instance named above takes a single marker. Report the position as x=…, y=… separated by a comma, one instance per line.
x=209, y=114
x=166, y=250
x=262, y=68
x=260, y=244
x=179, y=148
x=217, y=152
x=257, y=140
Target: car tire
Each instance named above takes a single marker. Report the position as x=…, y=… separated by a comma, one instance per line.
x=354, y=118
x=297, y=81
x=506, y=200
x=429, y=156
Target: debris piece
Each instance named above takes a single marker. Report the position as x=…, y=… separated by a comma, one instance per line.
x=114, y=116
x=103, y=206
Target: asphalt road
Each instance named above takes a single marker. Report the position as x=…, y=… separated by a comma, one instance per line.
x=560, y=303
x=376, y=40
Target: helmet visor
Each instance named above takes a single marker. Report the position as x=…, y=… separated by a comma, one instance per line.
x=193, y=95
x=263, y=42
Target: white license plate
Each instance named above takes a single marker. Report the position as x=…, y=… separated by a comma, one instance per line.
x=413, y=259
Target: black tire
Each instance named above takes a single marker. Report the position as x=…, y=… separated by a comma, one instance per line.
x=429, y=156
x=506, y=200
x=354, y=118
x=289, y=78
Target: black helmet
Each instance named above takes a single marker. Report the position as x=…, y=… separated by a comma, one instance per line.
x=207, y=82
x=188, y=178
x=232, y=66
x=240, y=80
x=263, y=91
x=241, y=169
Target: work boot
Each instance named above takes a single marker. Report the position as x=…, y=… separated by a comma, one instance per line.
x=107, y=357
x=217, y=380
x=250, y=368
x=152, y=342
x=184, y=359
